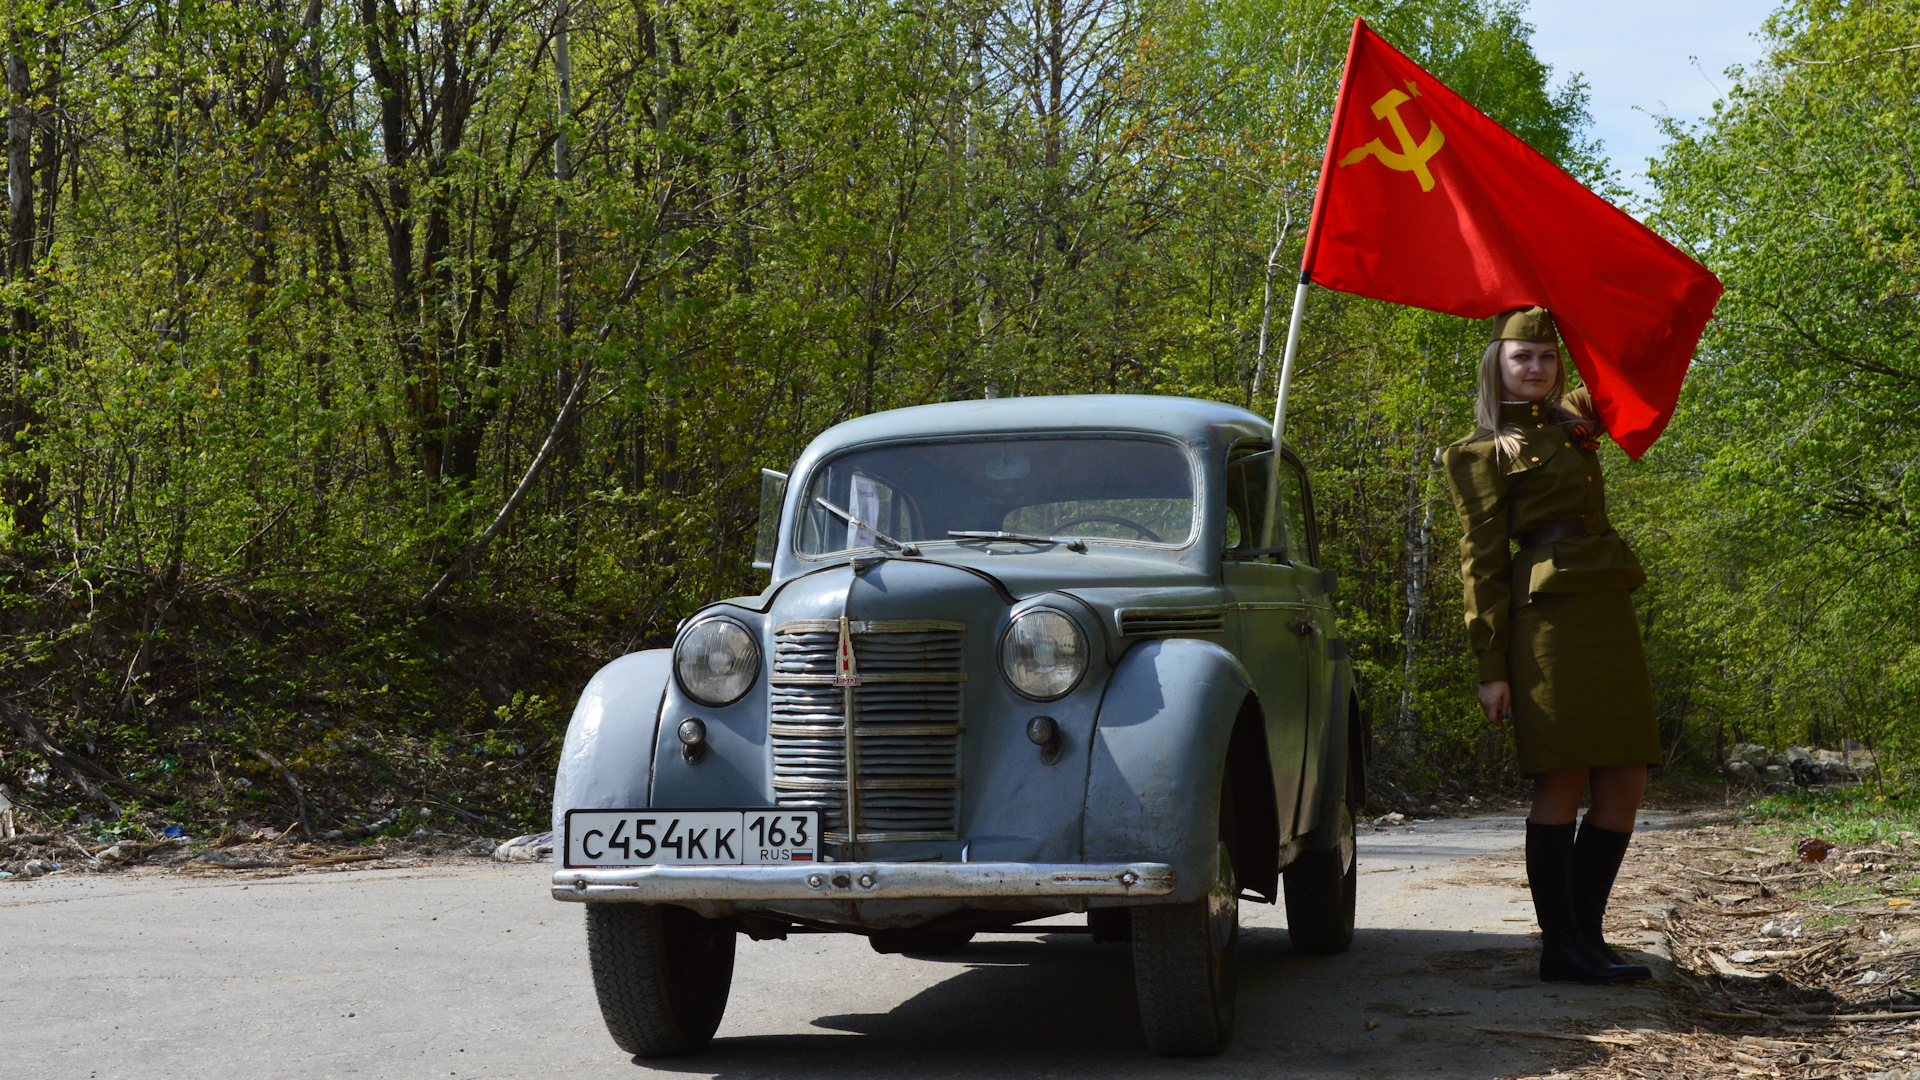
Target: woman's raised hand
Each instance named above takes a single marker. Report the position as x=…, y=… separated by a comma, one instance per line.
x=1496, y=699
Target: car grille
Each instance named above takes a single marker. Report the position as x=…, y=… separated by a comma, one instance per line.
x=908, y=724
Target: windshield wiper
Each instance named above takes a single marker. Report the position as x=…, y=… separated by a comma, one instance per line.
x=1073, y=544
x=883, y=538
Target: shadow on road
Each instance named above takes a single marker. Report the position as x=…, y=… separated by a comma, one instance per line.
x=1063, y=1006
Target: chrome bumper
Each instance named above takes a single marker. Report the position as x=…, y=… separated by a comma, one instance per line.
x=862, y=881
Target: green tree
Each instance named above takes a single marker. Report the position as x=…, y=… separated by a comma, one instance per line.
x=1784, y=496
x=340, y=306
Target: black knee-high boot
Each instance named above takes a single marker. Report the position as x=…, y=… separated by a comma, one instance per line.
x=1597, y=855
x=1564, y=956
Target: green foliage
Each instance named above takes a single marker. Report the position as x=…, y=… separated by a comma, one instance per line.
x=1858, y=816
x=370, y=708
x=1778, y=514
x=305, y=300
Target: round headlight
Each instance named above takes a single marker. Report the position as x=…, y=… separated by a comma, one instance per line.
x=717, y=661
x=1044, y=654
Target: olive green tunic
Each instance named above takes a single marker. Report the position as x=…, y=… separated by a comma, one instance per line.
x=1554, y=621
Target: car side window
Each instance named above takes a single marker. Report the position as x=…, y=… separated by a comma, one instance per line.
x=1293, y=510
x=1251, y=532
x=1269, y=515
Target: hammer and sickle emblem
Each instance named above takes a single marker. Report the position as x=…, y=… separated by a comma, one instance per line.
x=1409, y=158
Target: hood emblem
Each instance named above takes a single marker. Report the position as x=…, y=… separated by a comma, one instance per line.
x=844, y=671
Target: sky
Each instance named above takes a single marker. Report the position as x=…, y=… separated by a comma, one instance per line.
x=1646, y=58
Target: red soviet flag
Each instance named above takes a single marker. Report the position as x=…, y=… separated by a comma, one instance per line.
x=1424, y=200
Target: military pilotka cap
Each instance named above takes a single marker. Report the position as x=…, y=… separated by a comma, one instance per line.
x=1525, y=324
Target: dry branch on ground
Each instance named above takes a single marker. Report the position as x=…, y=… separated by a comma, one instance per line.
x=1781, y=969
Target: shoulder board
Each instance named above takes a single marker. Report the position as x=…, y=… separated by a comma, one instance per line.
x=1479, y=436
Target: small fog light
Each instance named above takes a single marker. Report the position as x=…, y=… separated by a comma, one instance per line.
x=693, y=740
x=1044, y=733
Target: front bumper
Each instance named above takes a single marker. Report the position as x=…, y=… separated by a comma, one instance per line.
x=863, y=881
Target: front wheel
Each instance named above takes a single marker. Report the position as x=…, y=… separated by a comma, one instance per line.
x=662, y=975
x=1321, y=889
x=1183, y=967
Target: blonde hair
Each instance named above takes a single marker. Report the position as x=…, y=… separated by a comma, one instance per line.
x=1493, y=390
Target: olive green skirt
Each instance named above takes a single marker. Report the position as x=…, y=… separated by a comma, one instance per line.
x=1581, y=696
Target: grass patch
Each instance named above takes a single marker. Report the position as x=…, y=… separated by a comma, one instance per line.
x=1842, y=892
x=1815, y=924
x=1861, y=815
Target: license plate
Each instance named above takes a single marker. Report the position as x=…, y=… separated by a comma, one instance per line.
x=690, y=837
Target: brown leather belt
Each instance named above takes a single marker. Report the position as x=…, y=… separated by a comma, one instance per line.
x=1570, y=529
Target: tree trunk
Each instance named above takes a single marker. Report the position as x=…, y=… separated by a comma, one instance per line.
x=976, y=201
x=22, y=484
x=563, y=172
x=1282, y=221
x=1419, y=544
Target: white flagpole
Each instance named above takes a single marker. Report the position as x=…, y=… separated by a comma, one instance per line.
x=1286, y=360
x=1312, y=244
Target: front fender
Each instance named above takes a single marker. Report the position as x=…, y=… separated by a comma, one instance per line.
x=1159, y=750
x=607, y=759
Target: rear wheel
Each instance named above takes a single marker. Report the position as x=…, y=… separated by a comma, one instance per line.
x=661, y=973
x=1321, y=888
x=1184, y=962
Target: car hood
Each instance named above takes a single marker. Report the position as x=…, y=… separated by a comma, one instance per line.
x=977, y=584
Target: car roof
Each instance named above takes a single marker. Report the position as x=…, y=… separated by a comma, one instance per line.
x=1190, y=419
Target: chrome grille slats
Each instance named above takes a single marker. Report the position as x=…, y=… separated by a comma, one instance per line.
x=908, y=710
x=802, y=652
x=924, y=651
x=1153, y=622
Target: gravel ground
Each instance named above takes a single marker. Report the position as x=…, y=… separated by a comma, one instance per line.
x=467, y=968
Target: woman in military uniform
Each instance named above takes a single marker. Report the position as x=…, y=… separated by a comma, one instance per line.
x=1553, y=626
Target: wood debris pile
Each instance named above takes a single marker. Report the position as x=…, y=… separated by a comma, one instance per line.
x=37, y=854
x=69, y=850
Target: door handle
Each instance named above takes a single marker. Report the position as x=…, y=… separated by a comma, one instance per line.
x=1306, y=628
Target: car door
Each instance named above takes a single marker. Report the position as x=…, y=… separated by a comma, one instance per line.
x=1272, y=621
x=1313, y=622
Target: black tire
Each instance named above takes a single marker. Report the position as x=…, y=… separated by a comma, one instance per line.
x=1185, y=962
x=1321, y=888
x=662, y=975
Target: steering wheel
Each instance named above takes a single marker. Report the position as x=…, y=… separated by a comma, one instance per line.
x=1112, y=519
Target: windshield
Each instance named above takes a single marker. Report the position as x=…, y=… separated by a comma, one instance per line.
x=1113, y=488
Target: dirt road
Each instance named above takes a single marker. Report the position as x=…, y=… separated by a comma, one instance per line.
x=475, y=972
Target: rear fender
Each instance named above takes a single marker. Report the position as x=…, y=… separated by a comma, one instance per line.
x=1159, y=751
x=607, y=760
x=1342, y=785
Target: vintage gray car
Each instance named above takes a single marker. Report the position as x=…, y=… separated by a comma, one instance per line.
x=1019, y=658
